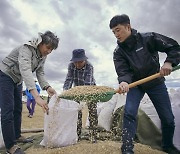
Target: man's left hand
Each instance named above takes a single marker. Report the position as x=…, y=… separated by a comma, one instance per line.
x=166, y=69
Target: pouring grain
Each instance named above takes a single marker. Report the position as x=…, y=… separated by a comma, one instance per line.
x=86, y=93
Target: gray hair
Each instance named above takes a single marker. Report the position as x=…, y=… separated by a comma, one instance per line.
x=49, y=38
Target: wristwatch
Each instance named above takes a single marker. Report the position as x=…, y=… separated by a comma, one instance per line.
x=46, y=87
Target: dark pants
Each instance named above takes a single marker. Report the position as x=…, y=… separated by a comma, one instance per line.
x=31, y=106
x=11, y=109
x=160, y=99
x=93, y=119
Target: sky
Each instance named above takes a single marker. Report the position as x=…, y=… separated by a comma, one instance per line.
x=84, y=24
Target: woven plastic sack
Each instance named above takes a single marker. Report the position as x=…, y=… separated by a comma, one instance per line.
x=1, y=137
x=60, y=125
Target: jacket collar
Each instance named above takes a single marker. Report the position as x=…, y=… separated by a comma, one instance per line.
x=34, y=42
x=130, y=42
x=83, y=68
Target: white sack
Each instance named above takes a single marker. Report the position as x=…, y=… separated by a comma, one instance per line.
x=100, y=106
x=60, y=126
x=105, y=116
x=1, y=137
x=120, y=100
x=147, y=106
x=175, y=102
x=104, y=112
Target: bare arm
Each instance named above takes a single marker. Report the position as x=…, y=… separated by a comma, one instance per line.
x=39, y=100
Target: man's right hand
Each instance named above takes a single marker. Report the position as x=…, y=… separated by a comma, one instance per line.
x=124, y=87
x=42, y=103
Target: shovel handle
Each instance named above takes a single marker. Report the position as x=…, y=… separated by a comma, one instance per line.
x=149, y=78
x=136, y=83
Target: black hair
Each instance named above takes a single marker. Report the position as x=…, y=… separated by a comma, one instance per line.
x=119, y=19
x=49, y=38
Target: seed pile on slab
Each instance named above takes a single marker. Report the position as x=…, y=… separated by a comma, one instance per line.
x=86, y=93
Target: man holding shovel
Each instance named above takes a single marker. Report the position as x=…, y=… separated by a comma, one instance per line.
x=136, y=57
x=19, y=66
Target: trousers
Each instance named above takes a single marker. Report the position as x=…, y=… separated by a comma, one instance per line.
x=160, y=99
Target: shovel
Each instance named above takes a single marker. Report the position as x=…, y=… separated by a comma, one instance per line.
x=106, y=96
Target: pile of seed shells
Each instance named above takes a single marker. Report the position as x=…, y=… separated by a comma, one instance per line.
x=86, y=93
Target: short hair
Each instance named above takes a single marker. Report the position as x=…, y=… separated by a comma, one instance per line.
x=119, y=19
x=49, y=38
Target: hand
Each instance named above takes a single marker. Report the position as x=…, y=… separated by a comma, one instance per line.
x=51, y=91
x=43, y=104
x=166, y=69
x=123, y=87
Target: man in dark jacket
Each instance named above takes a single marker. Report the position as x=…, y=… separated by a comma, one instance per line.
x=136, y=57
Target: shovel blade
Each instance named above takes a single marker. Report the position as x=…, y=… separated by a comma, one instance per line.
x=101, y=97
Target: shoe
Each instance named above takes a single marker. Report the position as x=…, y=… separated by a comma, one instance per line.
x=15, y=150
x=127, y=152
x=22, y=139
x=30, y=116
x=172, y=150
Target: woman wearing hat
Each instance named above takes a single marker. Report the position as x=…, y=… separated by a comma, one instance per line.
x=80, y=72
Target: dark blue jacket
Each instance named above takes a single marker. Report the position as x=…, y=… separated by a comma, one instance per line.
x=137, y=57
